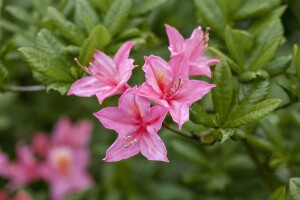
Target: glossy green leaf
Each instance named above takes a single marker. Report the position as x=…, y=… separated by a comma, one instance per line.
x=278, y=65
x=210, y=13
x=199, y=116
x=222, y=94
x=237, y=42
x=278, y=194
x=20, y=14
x=145, y=6
x=62, y=88
x=85, y=16
x=117, y=15
x=49, y=44
x=271, y=32
x=98, y=39
x=42, y=63
x=224, y=57
x=68, y=29
x=254, y=8
x=294, y=188
x=252, y=114
x=3, y=74
x=263, y=54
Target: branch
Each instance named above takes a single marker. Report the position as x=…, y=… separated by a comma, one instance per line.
x=30, y=88
x=184, y=134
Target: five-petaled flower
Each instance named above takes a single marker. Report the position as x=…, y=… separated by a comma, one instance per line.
x=168, y=85
x=108, y=76
x=137, y=124
x=193, y=48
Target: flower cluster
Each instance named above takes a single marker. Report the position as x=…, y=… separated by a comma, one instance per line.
x=61, y=160
x=167, y=84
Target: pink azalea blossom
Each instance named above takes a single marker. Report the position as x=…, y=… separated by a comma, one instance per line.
x=108, y=76
x=66, y=157
x=168, y=85
x=25, y=169
x=65, y=170
x=193, y=48
x=137, y=125
x=4, y=162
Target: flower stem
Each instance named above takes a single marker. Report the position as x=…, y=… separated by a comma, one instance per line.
x=184, y=134
x=30, y=88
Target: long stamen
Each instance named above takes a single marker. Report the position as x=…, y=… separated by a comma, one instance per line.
x=81, y=66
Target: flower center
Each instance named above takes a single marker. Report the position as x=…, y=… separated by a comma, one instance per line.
x=61, y=159
x=175, y=90
x=133, y=139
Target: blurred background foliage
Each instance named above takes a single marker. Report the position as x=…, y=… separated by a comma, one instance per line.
x=40, y=38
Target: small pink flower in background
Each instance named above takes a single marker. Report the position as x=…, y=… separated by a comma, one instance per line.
x=4, y=162
x=137, y=125
x=167, y=84
x=193, y=48
x=108, y=76
x=66, y=157
x=25, y=169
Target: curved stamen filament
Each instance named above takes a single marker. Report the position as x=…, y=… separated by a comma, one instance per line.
x=177, y=87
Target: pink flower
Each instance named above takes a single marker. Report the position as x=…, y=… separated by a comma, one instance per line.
x=167, y=84
x=65, y=170
x=4, y=162
x=108, y=77
x=25, y=169
x=193, y=48
x=137, y=124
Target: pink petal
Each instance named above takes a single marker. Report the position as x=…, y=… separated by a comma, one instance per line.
x=117, y=150
x=175, y=39
x=123, y=53
x=145, y=90
x=134, y=107
x=157, y=116
x=179, y=112
x=125, y=71
x=179, y=66
x=25, y=155
x=81, y=133
x=62, y=129
x=195, y=45
x=60, y=190
x=4, y=162
x=152, y=147
x=112, y=118
x=41, y=144
x=87, y=87
x=193, y=90
x=158, y=73
x=202, y=66
x=103, y=94
x=102, y=65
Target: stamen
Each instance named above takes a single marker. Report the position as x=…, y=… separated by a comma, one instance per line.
x=81, y=66
x=132, y=142
x=126, y=138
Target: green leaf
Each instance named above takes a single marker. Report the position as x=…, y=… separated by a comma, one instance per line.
x=62, y=88
x=271, y=32
x=199, y=116
x=294, y=188
x=117, y=15
x=85, y=16
x=237, y=42
x=40, y=5
x=20, y=14
x=256, y=112
x=49, y=44
x=98, y=39
x=3, y=74
x=42, y=63
x=257, y=92
x=296, y=62
x=104, y=5
x=222, y=94
x=224, y=134
x=251, y=76
x=145, y=6
x=262, y=55
x=66, y=28
x=260, y=25
x=278, y=194
x=278, y=66
x=224, y=57
x=211, y=14
x=254, y=8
